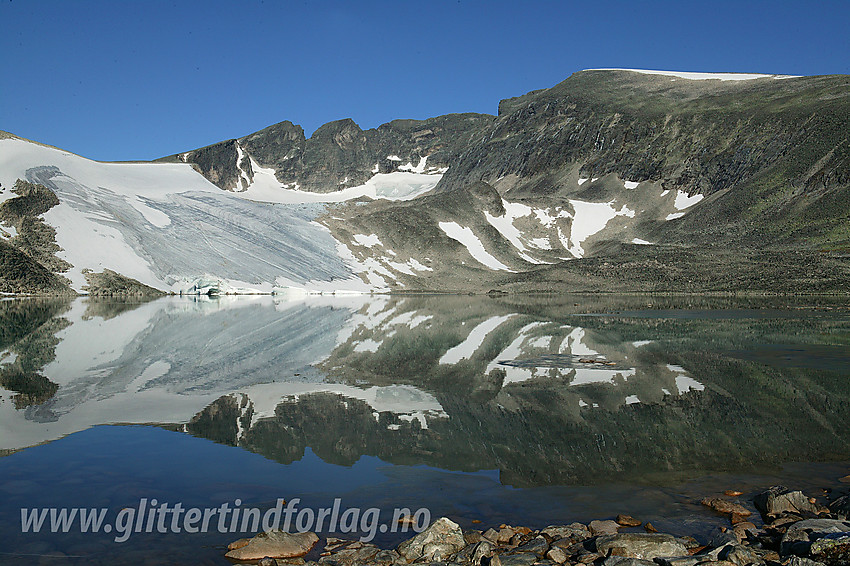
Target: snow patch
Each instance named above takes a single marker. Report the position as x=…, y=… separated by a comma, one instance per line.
x=684, y=200
x=468, y=347
x=694, y=76
x=367, y=241
x=473, y=245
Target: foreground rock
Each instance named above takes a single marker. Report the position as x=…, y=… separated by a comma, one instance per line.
x=437, y=543
x=646, y=546
x=273, y=544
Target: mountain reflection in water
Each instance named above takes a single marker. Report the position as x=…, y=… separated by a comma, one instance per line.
x=548, y=392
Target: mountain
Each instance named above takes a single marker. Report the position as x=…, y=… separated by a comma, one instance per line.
x=613, y=180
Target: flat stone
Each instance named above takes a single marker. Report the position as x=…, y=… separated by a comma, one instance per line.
x=800, y=561
x=726, y=507
x=439, y=541
x=603, y=528
x=491, y=534
x=646, y=546
x=275, y=544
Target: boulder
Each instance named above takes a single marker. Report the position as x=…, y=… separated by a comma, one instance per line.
x=799, y=537
x=832, y=549
x=274, y=544
x=439, y=541
x=646, y=546
x=779, y=499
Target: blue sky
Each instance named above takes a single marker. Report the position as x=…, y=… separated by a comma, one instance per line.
x=121, y=80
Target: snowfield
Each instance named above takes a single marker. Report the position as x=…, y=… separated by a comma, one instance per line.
x=166, y=226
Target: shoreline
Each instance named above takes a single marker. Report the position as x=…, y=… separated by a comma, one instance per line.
x=787, y=528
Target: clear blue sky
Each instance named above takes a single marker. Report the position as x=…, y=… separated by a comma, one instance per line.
x=117, y=80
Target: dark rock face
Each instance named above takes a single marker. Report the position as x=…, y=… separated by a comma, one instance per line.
x=339, y=154
x=28, y=262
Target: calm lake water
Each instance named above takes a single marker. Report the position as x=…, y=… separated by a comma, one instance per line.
x=521, y=410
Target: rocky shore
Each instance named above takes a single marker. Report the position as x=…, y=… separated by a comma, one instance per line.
x=794, y=530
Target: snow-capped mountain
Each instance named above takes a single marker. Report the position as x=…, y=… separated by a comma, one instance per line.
x=611, y=180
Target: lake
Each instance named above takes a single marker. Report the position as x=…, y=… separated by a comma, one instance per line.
x=513, y=409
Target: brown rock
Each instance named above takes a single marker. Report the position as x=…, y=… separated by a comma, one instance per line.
x=523, y=530
x=725, y=506
x=735, y=518
x=627, y=521
x=238, y=543
x=733, y=493
x=845, y=479
x=603, y=528
x=650, y=528
x=275, y=544
x=476, y=521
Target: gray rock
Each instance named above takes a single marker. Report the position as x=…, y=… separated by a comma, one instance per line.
x=439, y=541
x=387, y=557
x=537, y=545
x=574, y=532
x=799, y=561
x=720, y=538
x=481, y=550
x=603, y=528
x=359, y=554
x=645, y=546
x=800, y=535
x=841, y=506
x=626, y=561
x=779, y=499
x=519, y=559
x=832, y=549
x=740, y=555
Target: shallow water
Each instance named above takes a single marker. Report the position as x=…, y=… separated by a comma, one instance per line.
x=519, y=410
